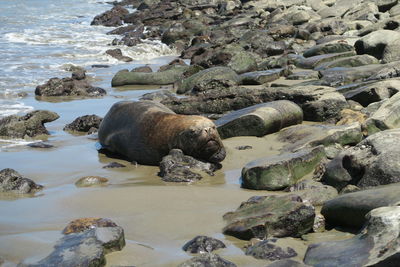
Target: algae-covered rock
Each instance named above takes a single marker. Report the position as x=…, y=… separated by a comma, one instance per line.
x=259, y=120
x=86, y=123
x=270, y=216
x=279, y=172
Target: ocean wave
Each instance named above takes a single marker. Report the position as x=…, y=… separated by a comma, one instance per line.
x=12, y=107
x=6, y=144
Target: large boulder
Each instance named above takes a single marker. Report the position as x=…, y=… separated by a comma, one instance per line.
x=13, y=182
x=29, y=125
x=87, y=123
x=111, y=18
x=279, y=172
x=270, y=216
x=349, y=210
x=259, y=120
x=85, y=248
x=386, y=117
x=170, y=76
x=376, y=245
x=371, y=162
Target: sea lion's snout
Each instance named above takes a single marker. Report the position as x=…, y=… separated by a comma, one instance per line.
x=219, y=156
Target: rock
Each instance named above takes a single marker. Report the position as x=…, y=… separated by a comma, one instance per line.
x=207, y=259
x=40, y=145
x=84, y=124
x=114, y=165
x=91, y=181
x=386, y=117
x=302, y=136
x=287, y=263
x=172, y=64
x=214, y=74
x=364, y=11
x=349, y=210
x=375, y=245
x=155, y=78
x=374, y=92
x=349, y=117
x=385, y=5
x=348, y=62
x=111, y=18
x=270, y=216
x=260, y=77
x=159, y=96
x=177, y=167
x=203, y=244
x=371, y=162
x=279, y=172
x=380, y=44
x=29, y=125
x=269, y=250
x=83, y=224
x=75, y=86
x=145, y=69
x=304, y=75
x=11, y=181
x=87, y=248
x=315, y=61
x=117, y=54
x=314, y=192
x=259, y=120
x=245, y=147
x=328, y=48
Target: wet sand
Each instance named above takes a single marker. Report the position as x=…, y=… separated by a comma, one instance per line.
x=158, y=217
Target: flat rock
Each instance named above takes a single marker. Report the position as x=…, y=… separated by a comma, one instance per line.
x=87, y=123
x=13, y=182
x=328, y=48
x=29, y=125
x=270, y=216
x=279, y=172
x=259, y=120
x=349, y=210
x=207, y=259
x=314, y=61
x=260, y=77
x=202, y=244
x=348, y=62
x=314, y=192
x=177, y=167
x=375, y=245
x=371, y=162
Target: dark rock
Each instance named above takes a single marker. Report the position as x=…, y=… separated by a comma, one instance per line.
x=117, y=53
x=83, y=224
x=111, y=18
x=100, y=66
x=69, y=87
x=114, y=165
x=11, y=181
x=261, y=77
x=259, y=120
x=270, y=216
x=177, y=167
x=279, y=172
x=86, y=248
x=349, y=210
x=40, y=145
x=371, y=162
x=84, y=124
x=329, y=48
x=304, y=75
x=145, y=69
x=375, y=245
x=348, y=62
x=91, y=181
x=269, y=250
x=201, y=244
x=175, y=62
x=207, y=259
x=29, y=125
x=244, y=147
x=79, y=75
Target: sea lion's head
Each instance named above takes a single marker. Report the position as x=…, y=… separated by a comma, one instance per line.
x=200, y=139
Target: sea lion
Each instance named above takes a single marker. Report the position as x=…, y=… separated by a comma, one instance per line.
x=145, y=132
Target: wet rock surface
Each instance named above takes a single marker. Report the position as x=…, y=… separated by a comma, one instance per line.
x=86, y=123
x=202, y=244
x=13, y=182
x=207, y=259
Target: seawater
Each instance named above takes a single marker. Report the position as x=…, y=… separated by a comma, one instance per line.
x=40, y=38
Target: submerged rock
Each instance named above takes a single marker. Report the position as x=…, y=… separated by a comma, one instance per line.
x=87, y=123
x=202, y=244
x=29, y=125
x=375, y=245
x=259, y=120
x=91, y=181
x=13, y=182
x=86, y=247
x=349, y=210
x=279, y=172
x=177, y=167
x=270, y=216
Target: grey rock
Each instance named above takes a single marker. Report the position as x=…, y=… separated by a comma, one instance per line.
x=29, y=125
x=385, y=5
x=328, y=48
x=259, y=120
x=207, y=259
x=270, y=216
x=88, y=181
x=117, y=54
x=111, y=18
x=114, y=165
x=304, y=75
x=260, y=77
x=269, y=250
x=349, y=210
x=375, y=245
x=287, y=263
x=84, y=124
x=40, y=145
x=279, y=172
x=386, y=116
x=13, y=182
x=348, y=62
x=177, y=167
x=363, y=11
x=314, y=61
x=146, y=69
x=314, y=192
x=201, y=244
x=371, y=162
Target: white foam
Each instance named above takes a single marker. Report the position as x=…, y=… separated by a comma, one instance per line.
x=11, y=108
x=10, y=143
